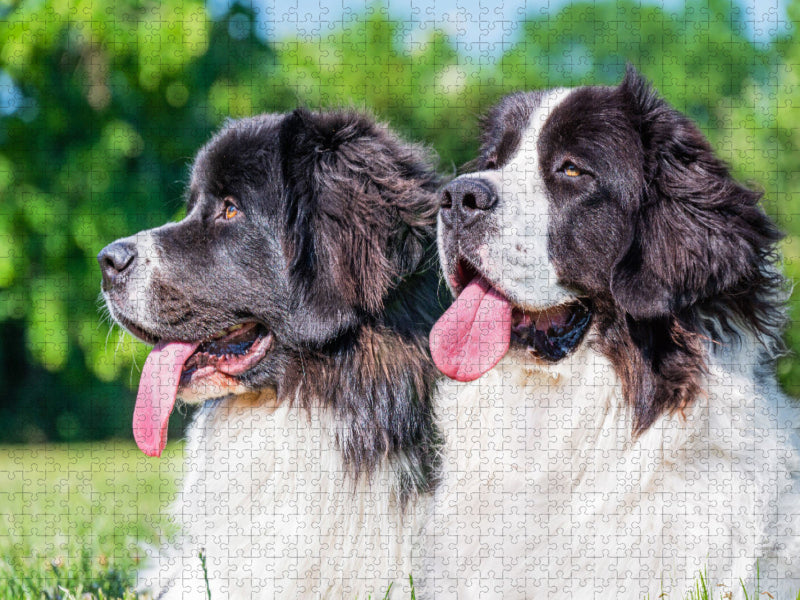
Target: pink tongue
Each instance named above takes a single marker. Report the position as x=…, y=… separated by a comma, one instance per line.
x=474, y=334
x=158, y=388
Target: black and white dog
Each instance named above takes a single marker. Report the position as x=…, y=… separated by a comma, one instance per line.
x=295, y=299
x=617, y=428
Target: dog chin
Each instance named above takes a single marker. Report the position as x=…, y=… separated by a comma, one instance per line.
x=212, y=387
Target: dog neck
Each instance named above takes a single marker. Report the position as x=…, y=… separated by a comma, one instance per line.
x=375, y=382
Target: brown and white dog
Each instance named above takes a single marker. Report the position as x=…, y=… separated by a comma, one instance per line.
x=615, y=427
x=294, y=300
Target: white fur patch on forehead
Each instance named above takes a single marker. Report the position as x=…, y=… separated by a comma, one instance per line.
x=526, y=151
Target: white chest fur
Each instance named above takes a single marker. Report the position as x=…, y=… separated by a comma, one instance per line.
x=267, y=497
x=546, y=494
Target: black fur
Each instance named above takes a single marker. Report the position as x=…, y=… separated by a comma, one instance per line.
x=701, y=247
x=698, y=234
x=333, y=251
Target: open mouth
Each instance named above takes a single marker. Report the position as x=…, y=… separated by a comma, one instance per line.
x=172, y=365
x=477, y=330
x=552, y=333
x=232, y=351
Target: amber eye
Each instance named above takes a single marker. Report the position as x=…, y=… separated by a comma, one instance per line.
x=230, y=210
x=570, y=170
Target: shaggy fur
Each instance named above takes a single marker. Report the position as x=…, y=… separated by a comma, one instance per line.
x=661, y=446
x=304, y=474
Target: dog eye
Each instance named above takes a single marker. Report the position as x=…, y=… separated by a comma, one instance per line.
x=230, y=210
x=570, y=170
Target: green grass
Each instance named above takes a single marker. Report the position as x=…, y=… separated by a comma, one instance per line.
x=75, y=520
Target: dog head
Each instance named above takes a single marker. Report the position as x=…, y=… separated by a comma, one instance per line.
x=601, y=207
x=305, y=234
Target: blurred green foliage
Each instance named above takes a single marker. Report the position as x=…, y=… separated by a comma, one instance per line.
x=103, y=105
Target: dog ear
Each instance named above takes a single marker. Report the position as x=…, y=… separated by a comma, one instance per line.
x=360, y=212
x=696, y=232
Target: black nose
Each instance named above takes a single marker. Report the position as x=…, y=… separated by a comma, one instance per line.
x=466, y=199
x=114, y=259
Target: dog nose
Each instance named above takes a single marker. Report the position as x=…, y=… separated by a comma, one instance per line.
x=114, y=259
x=465, y=200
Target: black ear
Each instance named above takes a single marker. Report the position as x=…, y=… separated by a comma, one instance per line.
x=360, y=211
x=697, y=234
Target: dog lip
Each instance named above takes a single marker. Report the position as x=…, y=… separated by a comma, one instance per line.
x=137, y=331
x=463, y=273
x=257, y=351
x=552, y=333
x=208, y=359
